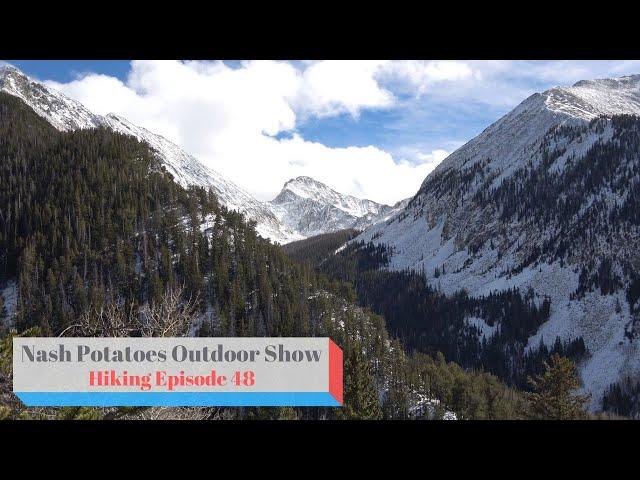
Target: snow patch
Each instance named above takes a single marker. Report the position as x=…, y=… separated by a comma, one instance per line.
x=486, y=331
x=9, y=296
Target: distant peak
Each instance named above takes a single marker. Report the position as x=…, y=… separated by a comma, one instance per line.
x=582, y=83
x=5, y=68
x=8, y=72
x=588, y=99
x=612, y=82
x=304, y=179
x=304, y=186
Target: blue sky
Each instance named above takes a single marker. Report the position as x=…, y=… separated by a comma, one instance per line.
x=372, y=129
x=389, y=129
x=67, y=70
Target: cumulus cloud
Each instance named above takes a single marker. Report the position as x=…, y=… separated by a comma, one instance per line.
x=230, y=118
x=419, y=76
x=243, y=120
x=331, y=87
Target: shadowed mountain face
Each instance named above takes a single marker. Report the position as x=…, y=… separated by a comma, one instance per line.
x=98, y=240
x=546, y=199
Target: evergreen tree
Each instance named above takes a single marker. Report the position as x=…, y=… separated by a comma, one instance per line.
x=360, y=395
x=396, y=403
x=554, y=396
x=93, y=224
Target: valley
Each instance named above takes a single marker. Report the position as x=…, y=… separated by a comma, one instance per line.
x=521, y=245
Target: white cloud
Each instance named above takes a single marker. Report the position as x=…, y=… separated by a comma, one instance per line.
x=335, y=86
x=502, y=84
x=228, y=117
x=435, y=157
x=418, y=76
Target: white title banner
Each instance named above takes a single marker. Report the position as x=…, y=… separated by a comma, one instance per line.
x=177, y=371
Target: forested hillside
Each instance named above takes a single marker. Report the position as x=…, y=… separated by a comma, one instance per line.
x=555, y=215
x=488, y=333
x=100, y=240
x=315, y=249
x=91, y=218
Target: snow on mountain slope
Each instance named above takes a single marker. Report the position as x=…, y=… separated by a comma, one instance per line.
x=312, y=208
x=304, y=208
x=8, y=303
x=508, y=141
x=544, y=198
x=60, y=111
x=66, y=114
x=187, y=170
x=588, y=99
x=308, y=188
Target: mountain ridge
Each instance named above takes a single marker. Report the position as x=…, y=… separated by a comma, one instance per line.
x=542, y=199
x=313, y=208
x=332, y=210
x=67, y=114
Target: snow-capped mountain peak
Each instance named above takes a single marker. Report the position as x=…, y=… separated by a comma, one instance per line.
x=303, y=208
x=309, y=188
x=588, y=99
x=542, y=199
x=311, y=208
x=66, y=114
x=61, y=111
x=504, y=145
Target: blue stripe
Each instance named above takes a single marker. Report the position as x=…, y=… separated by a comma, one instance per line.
x=177, y=399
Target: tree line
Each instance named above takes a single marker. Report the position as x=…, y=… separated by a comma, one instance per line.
x=100, y=238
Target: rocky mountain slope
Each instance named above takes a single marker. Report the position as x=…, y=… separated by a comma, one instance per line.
x=312, y=208
x=546, y=199
x=67, y=114
x=304, y=208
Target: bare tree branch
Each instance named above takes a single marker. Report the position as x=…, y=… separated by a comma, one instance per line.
x=169, y=317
